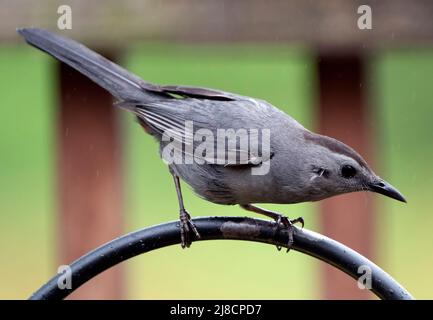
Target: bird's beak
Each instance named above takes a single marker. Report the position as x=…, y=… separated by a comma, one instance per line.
x=383, y=187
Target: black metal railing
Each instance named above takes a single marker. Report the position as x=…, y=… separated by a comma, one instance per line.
x=233, y=228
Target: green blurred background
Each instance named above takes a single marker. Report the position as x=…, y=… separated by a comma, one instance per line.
x=168, y=42
x=401, y=100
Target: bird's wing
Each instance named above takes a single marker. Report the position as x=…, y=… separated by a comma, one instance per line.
x=194, y=92
x=228, y=133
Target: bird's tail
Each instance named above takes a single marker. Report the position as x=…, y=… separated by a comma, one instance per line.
x=121, y=83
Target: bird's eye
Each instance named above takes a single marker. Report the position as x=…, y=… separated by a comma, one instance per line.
x=348, y=171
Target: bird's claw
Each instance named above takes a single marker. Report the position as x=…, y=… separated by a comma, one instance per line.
x=186, y=227
x=289, y=225
x=298, y=220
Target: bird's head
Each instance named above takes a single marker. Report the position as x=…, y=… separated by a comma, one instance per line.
x=335, y=168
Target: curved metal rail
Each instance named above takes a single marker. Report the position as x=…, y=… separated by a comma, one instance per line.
x=213, y=228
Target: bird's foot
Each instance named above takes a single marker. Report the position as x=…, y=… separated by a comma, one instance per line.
x=186, y=227
x=289, y=225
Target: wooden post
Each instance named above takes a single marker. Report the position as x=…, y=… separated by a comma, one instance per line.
x=89, y=180
x=343, y=115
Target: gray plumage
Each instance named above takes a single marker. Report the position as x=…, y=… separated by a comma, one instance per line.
x=304, y=166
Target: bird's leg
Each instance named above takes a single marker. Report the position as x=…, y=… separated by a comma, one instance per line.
x=279, y=219
x=186, y=225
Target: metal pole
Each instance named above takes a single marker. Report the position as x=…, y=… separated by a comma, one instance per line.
x=227, y=228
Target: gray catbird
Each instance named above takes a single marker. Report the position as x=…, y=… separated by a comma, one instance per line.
x=300, y=165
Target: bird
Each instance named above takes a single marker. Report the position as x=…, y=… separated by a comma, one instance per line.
x=266, y=156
